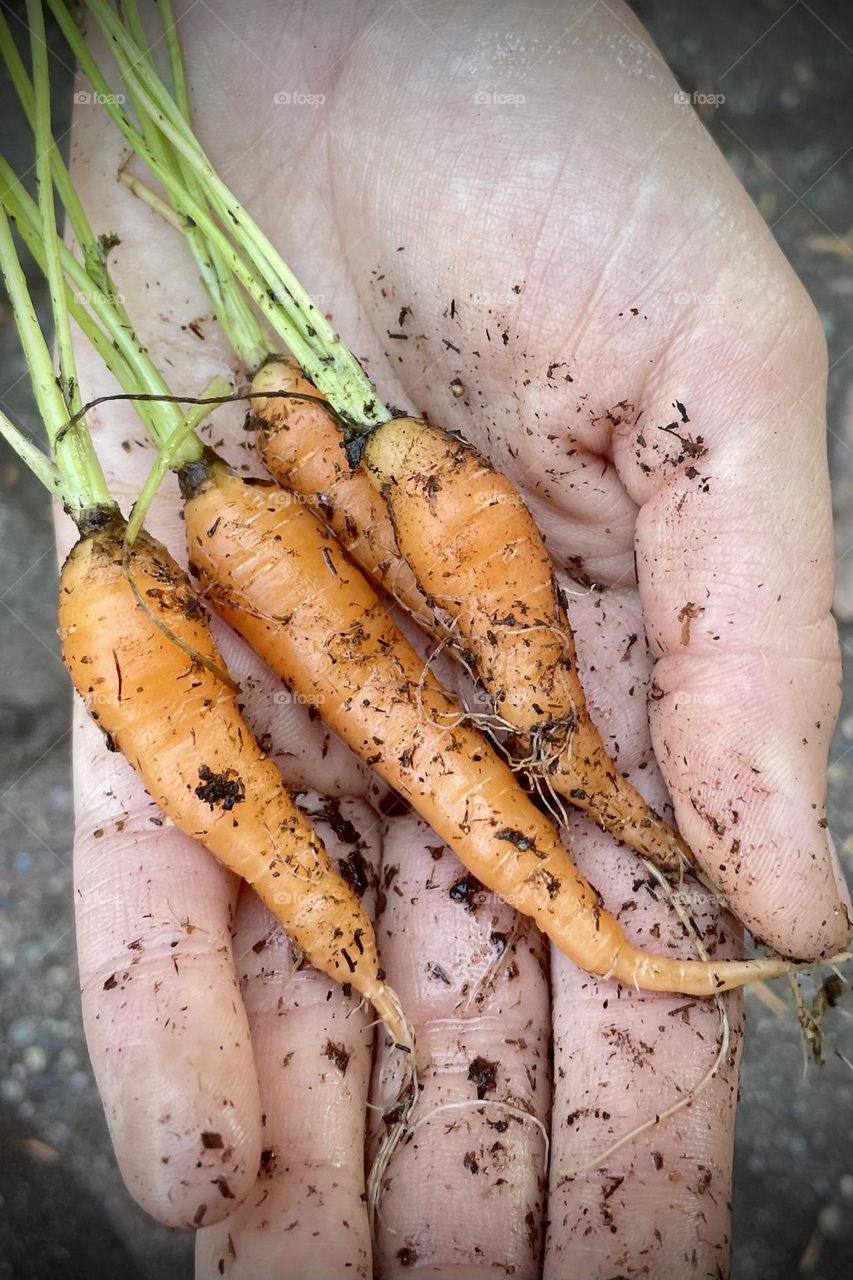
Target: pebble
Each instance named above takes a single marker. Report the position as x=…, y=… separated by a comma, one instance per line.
x=53, y=1001
x=11, y=1090
x=66, y=1060
x=57, y=1133
x=22, y=1031
x=831, y=1220
x=58, y=799
x=35, y=1059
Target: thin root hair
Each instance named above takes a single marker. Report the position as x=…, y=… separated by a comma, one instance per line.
x=723, y=1043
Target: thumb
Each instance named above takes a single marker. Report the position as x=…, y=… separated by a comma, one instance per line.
x=734, y=559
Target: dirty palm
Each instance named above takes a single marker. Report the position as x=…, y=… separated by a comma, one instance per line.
x=506, y=234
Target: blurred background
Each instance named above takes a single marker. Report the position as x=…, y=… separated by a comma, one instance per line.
x=772, y=83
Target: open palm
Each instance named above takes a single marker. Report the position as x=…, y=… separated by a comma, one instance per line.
x=529, y=238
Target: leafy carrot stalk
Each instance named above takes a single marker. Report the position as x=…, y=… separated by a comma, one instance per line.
x=174, y=717
x=472, y=565
x=280, y=577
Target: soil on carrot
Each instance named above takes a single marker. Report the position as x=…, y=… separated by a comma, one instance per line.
x=224, y=789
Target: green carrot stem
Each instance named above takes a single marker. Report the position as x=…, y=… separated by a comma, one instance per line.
x=232, y=311
x=242, y=328
x=92, y=247
x=44, y=147
x=167, y=159
x=176, y=57
x=245, y=334
x=118, y=345
x=29, y=229
x=171, y=450
x=83, y=487
x=23, y=87
x=30, y=454
x=181, y=199
x=311, y=338
x=156, y=203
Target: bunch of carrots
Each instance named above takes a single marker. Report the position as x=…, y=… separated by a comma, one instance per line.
x=363, y=508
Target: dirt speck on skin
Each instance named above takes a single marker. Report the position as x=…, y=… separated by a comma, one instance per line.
x=691, y=447
x=337, y=1054
x=686, y=616
x=465, y=891
x=355, y=871
x=483, y=1074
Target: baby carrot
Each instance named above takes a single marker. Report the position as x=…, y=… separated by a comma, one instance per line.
x=178, y=724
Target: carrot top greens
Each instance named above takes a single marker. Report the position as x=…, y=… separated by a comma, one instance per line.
x=76, y=474
x=81, y=289
x=167, y=144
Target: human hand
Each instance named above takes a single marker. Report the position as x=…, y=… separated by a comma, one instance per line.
x=575, y=222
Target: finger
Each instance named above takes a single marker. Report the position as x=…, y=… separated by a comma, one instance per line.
x=165, y=1026
x=306, y=1215
x=734, y=558
x=463, y=1195
x=659, y=1204
x=622, y=1059
x=169, y=1041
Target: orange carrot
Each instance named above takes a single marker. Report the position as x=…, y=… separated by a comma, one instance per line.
x=301, y=447
x=179, y=726
x=499, y=590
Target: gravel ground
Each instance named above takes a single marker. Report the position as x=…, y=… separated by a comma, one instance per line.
x=785, y=127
